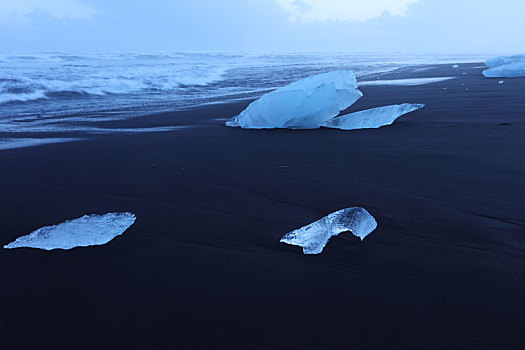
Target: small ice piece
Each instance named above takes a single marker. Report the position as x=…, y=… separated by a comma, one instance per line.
x=455, y=66
x=304, y=104
x=315, y=236
x=86, y=231
x=371, y=118
x=501, y=81
x=505, y=67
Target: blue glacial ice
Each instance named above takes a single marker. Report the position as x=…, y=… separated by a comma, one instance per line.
x=505, y=67
x=88, y=230
x=371, y=118
x=316, y=235
x=304, y=104
x=503, y=60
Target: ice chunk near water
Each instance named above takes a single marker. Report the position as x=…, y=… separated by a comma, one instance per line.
x=315, y=236
x=304, y=104
x=503, y=60
x=513, y=70
x=501, y=81
x=505, y=67
x=455, y=66
x=371, y=118
x=88, y=230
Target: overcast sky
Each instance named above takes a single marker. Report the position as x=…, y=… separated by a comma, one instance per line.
x=408, y=26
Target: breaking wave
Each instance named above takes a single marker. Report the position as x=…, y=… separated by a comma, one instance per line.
x=126, y=84
x=21, y=97
x=38, y=79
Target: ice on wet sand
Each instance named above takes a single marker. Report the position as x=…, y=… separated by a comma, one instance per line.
x=305, y=104
x=316, y=235
x=371, y=118
x=505, y=67
x=86, y=231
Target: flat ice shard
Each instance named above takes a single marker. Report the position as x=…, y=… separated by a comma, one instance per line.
x=315, y=236
x=505, y=67
x=86, y=231
x=304, y=104
x=455, y=66
x=371, y=118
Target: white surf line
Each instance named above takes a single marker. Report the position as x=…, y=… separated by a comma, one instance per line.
x=65, y=128
x=12, y=143
x=405, y=82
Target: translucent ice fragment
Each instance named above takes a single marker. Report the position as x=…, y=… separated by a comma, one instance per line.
x=315, y=236
x=304, y=104
x=86, y=231
x=371, y=118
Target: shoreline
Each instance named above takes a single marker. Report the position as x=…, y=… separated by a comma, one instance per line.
x=202, y=267
x=62, y=124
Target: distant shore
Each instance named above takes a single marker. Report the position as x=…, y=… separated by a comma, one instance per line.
x=202, y=267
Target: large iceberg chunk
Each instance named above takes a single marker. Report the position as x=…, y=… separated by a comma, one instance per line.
x=305, y=104
x=503, y=60
x=371, y=118
x=314, y=237
x=505, y=67
x=86, y=231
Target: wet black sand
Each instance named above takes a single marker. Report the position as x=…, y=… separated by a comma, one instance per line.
x=203, y=267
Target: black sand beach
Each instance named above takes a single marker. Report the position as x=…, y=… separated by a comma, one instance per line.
x=202, y=267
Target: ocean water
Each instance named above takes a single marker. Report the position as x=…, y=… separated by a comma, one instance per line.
x=53, y=91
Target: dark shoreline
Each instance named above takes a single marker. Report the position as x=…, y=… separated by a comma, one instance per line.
x=203, y=267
